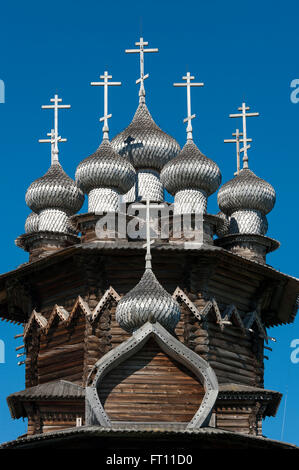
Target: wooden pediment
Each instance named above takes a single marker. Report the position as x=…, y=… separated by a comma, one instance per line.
x=170, y=382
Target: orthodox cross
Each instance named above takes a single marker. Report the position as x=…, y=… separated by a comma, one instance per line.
x=149, y=242
x=237, y=140
x=106, y=77
x=190, y=116
x=54, y=139
x=141, y=51
x=244, y=115
x=56, y=106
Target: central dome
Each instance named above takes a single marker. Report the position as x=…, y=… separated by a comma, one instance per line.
x=144, y=143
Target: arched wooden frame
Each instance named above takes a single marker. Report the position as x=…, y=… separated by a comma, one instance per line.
x=95, y=413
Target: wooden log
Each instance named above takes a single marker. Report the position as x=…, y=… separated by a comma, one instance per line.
x=225, y=377
x=242, y=365
x=65, y=374
x=233, y=370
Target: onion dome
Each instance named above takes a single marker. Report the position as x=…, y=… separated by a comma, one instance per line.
x=191, y=170
x=147, y=301
x=246, y=199
x=105, y=169
x=54, y=190
x=246, y=191
x=144, y=143
x=31, y=224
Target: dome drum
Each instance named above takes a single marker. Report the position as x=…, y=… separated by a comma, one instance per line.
x=53, y=220
x=31, y=223
x=147, y=186
x=248, y=245
x=248, y=222
x=190, y=201
x=103, y=200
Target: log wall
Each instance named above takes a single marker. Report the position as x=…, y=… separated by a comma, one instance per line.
x=238, y=419
x=150, y=386
x=61, y=354
x=70, y=352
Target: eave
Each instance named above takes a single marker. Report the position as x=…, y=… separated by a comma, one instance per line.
x=283, y=304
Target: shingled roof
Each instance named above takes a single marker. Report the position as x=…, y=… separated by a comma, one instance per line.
x=46, y=391
x=138, y=436
x=70, y=391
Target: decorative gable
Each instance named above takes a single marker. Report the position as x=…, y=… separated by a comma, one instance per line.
x=127, y=368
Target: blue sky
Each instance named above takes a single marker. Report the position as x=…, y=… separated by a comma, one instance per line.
x=242, y=51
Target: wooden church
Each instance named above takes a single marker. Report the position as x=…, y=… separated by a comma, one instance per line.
x=145, y=321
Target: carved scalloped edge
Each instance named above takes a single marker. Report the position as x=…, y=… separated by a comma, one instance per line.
x=230, y=316
x=66, y=317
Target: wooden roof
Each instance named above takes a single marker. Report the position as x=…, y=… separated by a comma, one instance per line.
x=63, y=389
x=284, y=304
x=143, y=437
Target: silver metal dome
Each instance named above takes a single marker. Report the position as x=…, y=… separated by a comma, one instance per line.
x=54, y=190
x=31, y=223
x=246, y=191
x=144, y=143
x=105, y=169
x=147, y=301
x=191, y=170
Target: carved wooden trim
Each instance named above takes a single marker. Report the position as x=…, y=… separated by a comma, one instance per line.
x=95, y=413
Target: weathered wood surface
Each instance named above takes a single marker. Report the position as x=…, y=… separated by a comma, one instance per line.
x=150, y=386
x=70, y=352
x=61, y=352
x=237, y=419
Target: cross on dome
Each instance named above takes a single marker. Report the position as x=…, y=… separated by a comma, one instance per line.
x=106, y=77
x=54, y=139
x=141, y=51
x=149, y=242
x=237, y=140
x=244, y=115
x=190, y=116
x=56, y=106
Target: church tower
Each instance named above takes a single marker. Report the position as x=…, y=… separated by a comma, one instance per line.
x=145, y=321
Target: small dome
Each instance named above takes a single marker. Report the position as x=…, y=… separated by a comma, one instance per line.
x=144, y=143
x=147, y=301
x=31, y=224
x=191, y=170
x=105, y=169
x=54, y=190
x=246, y=191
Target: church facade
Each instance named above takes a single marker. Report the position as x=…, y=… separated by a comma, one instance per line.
x=145, y=321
